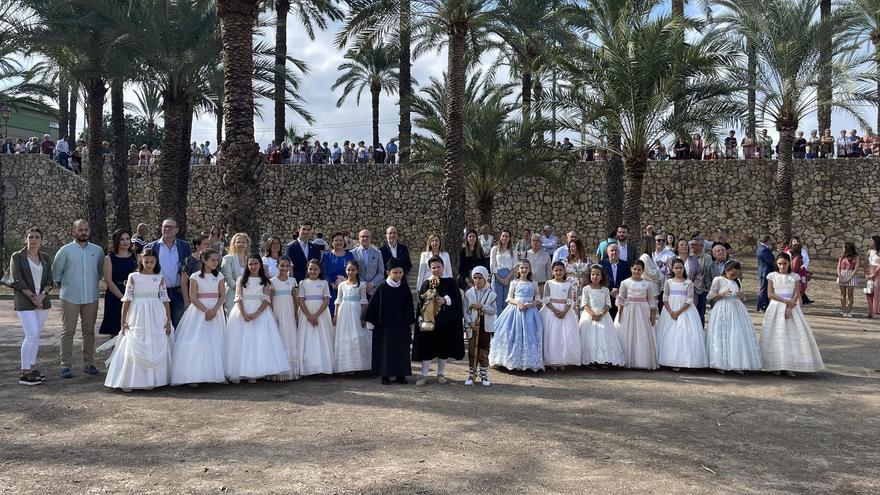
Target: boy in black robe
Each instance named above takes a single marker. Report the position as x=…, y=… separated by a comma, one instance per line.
x=446, y=340
x=390, y=315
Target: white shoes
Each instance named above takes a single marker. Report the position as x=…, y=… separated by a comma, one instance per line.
x=422, y=381
x=469, y=381
x=442, y=380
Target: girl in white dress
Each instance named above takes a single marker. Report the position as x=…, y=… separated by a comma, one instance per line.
x=730, y=337
x=599, y=342
x=683, y=342
x=787, y=343
x=353, y=347
x=197, y=356
x=562, y=342
x=636, y=316
x=316, y=337
x=284, y=307
x=252, y=348
x=141, y=358
x=434, y=247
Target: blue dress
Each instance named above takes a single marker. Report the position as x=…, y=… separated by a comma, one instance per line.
x=120, y=268
x=334, y=266
x=517, y=344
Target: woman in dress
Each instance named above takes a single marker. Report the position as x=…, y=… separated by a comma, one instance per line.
x=314, y=325
x=31, y=273
x=216, y=240
x=118, y=265
x=873, y=274
x=787, y=342
x=683, y=342
x=523, y=244
x=133, y=156
x=636, y=316
x=446, y=340
x=272, y=252
x=847, y=278
x=353, y=346
x=193, y=262
x=518, y=340
x=197, y=356
x=486, y=239
x=599, y=342
x=800, y=262
x=252, y=348
x=561, y=340
x=141, y=358
x=501, y=262
x=730, y=336
x=577, y=269
x=333, y=265
x=470, y=256
x=284, y=308
x=234, y=265
x=145, y=157
x=433, y=247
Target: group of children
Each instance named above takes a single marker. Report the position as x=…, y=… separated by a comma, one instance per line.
x=528, y=339
x=280, y=330
x=277, y=329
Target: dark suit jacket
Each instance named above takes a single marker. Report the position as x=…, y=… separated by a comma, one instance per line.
x=766, y=261
x=402, y=255
x=21, y=279
x=623, y=273
x=300, y=260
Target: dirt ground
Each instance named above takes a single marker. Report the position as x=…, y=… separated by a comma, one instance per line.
x=575, y=431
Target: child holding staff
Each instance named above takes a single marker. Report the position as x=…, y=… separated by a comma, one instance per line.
x=479, y=316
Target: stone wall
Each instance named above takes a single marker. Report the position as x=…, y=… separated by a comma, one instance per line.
x=833, y=203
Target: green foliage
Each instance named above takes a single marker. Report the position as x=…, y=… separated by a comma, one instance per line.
x=135, y=131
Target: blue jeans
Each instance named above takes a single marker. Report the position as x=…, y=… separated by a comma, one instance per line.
x=763, y=298
x=176, y=305
x=500, y=290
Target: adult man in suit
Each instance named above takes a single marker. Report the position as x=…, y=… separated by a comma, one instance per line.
x=766, y=265
x=172, y=253
x=372, y=270
x=300, y=251
x=616, y=270
x=393, y=249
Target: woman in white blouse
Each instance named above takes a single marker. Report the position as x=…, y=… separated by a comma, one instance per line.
x=502, y=259
x=271, y=254
x=433, y=248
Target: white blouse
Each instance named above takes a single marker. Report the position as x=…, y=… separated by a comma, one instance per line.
x=36, y=274
x=486, y=242
x=425, y=270
x=501, y=260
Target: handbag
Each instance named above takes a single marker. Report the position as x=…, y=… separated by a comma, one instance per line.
x=7, y=280
x=869, y=287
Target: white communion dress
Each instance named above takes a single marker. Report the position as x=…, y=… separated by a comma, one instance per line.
x=599, y=341
x=315, y=341
x=252, y=349
x=285, y=315
x=353, y=347
x=562, y=341
x=198, y=343
x=787, y=344
x=682, y=343
x=730, y=336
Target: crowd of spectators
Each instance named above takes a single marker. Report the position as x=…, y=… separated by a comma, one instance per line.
x=322, y=153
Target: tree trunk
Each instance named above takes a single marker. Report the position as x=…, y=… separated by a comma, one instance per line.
x=74, y=93
x=678, y=11
x=121, y=207
x=151, y=133
x=404, y=128
x=453, y=184
x=527, y=84
x=784, y=190
x=95, y=200
x=876, y=39
x=375, y=91
x=3, y=258
x=241, y=162
x=218, y=114
x=614, y=184
x=171, y=162
x=485, y=203
x=634, y=168
x=824, y=91
x=538, y=92
x=282, y=7
x=184, y=167
x=752, y=74
x=63, y=108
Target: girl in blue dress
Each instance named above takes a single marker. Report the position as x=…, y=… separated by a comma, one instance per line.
x=517, y=344
x=333, y=266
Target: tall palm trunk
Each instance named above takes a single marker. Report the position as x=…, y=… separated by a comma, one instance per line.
x=282, y=7
x=74, y=92
x=527, y=84
x=63, y=110
x=183, y=172
x=485, y=203
x=824, y=91
x=240, y=163
x=121, y=208
x=173, y=152
x=538, y=91
x=875, y=38
x=678, y=11
x=453, y=167
x=751, y=96
x=614, y=184
x=784, y=190
x=95, y=200
x=404, y=128
x=634, y=168
x=375, y=91
x=218, y=120
x=151, y=134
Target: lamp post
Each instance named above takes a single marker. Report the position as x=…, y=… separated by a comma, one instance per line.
x=6, y=113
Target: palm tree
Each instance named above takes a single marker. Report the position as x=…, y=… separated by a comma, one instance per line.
x=824, y=95
x=370, y=66
x=294, y=137
x=310, y=13
x=241, y=163
x=497, y=150
x=630, y=70
x=867, y=14
x=148, y=104
x=788, y=59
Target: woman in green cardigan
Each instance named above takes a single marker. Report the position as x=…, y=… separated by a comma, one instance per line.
x=31, y=280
